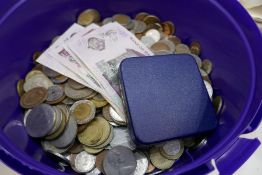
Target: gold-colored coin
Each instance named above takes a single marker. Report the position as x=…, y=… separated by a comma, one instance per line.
x=92, y=95
x=158, y=160
x=88, y=16
x=20, y=87
x=92, y=134
x=207, y=66
x=182, y=48
x=107, y=141
x=99, y=104
x=140, y=16
x=195, y=48
x=151, y=19
x=122, y=19
x=99, y=97
x=33, y=97
x=36, y=55
x=83, y=111
x=174, y=39
x=159, y=46
x=106, y=113
x=168, y=27
x=32, y=73
x=91, y=150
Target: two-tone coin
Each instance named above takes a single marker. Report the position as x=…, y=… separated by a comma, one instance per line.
x=158, y=160
x=77, y=94
x=33, y=97
x=172, y=149
x=83, y=111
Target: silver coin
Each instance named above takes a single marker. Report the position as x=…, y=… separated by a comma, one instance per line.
x=142, y=163
x=58, y=122
x=122, y=137
x=148, y=41
x=47, y=146
x=107, y=20
x=77, y=94
x=84, y=162
x=61, y=157
x=40, y=120
x=75, y=85
x=68, y=101
x=130, y=25
x=115, y=116
x=170, y=44
x=94, y=172
x=119, y=161
x=139, y=26
x=67, y=136
x=49, y=72
x=154, y=34
x=54, y=93
x=209, y=89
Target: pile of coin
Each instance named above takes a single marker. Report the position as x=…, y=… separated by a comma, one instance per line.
x=78, y=125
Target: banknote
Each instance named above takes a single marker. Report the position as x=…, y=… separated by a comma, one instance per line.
x=103, y=50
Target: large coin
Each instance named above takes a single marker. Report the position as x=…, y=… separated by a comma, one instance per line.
x=119, y=161
x=82, y=162
x=83, y=111
x=139, y=26
x=154, y=34
x=55, y=94
x=40, y=121
x=32, y=73
x=122, y=137
x=172, y=149
x=39, y=80
x=33, y=97
x=142, y=163
x=158, y=160
x=67, y=136
x=91, y=150
x=77, y=94
x=88, y=16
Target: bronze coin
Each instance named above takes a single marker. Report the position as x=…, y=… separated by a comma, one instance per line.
x=33, y=97
x=99, y=160
x=168, y=27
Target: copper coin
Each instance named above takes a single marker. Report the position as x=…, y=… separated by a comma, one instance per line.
x=140, y=16
x=168, y=27
x=33, y=97
x=151, y=19
x=99, y=160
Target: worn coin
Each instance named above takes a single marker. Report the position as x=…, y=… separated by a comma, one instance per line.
x=174, y=39
x=182, y=48
x=67, y=136
x=83, y=111
x=209, y=88
x=49, y=72
x=140, y=16
x=19, y=87
x=154, y=34
x=88, y=16
x=55, y=94
x=74, y=84
x=217, y=103
x=91, y=150
x=122, y=19
x=142, y=163
x=168, y=27
x=33, y=97
x=172, y=149
x=149, y=19
x=122, y=137
x=195, y=48
x=39, y=80
x=59, y=79
x=158, y=160
x=119, y=161
x=40, y=121
x=99, y=160
x=82, y=162
x=106, y=113
x=77, y=94
x=207, y=66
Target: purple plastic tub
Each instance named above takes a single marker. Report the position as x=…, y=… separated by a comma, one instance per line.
x=228, y=37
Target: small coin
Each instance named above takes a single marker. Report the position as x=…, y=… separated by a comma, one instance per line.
x=92, y=134
x=158, y=160
x=83, y=111
x=39, y=80
x=140, y=16
x=49, y=72
x=99, y=160
x=82, y=162
x=139, y=26
x=154, y=34
x=20, y=87
x=149, y=19
x=99, y=104
x=172, y=149
x=55, y=94
x=91, y=150
x=122, y=137
x=155, y=26
x=68, y=101
x=168, y=27
x=107, y=20
x=207, y=66
x=77, y=94
x=209, y=88
x=67, y=136
x=50, y=148
x=174, y=39
x=106, y=113
x=32, y=73
x=75, y=85
x=182, y=48
x=195, y=48
x=217, y=103
x=58, y=120
x=142, y=163
x=148, y=41
x=33, y=97
x=119, y=161
x=122, y=19
x=40, y=121
x=107, y=141
x=150, y=168
x=88, y=16
x=92, y=95
x=59, y=79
